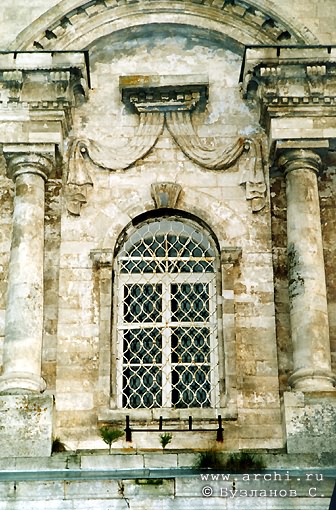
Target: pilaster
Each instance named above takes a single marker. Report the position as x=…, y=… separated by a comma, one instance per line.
x=24, y=310
x=37, y=95
x=295, y=90
x=306, y=275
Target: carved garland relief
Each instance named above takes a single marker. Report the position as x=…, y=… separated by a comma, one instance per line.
x=173, y=110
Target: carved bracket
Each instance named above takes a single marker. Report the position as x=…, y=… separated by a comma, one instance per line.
x=164, y=93
x=79, y=181
x=252, y=174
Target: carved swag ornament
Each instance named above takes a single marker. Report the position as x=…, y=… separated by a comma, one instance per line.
x=170, y=106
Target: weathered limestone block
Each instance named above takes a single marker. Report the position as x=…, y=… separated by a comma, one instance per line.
x=26, y=425
x=310, y=422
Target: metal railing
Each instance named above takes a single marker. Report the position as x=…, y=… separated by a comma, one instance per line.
x=219, y=430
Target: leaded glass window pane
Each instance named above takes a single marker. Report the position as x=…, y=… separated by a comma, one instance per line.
x=167, y=322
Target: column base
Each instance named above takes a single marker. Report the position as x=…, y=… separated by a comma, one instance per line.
x=312, y=380
x=21, y=383
x=26, y=424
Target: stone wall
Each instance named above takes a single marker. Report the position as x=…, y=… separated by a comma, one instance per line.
x=327, y=198
x=77, y=355
x=77, y=133
x=165, y=481
x=117, y=198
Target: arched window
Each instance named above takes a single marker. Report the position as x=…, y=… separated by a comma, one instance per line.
x=167, y=316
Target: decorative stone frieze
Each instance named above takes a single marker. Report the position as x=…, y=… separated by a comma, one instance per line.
x=149, y=129
x=212, y=156
x=24, y=313
x=159, y=101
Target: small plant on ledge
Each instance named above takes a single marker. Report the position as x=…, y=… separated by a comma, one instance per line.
x=165, y=439
x=210, y=459
x=58, y=446
x=240, y=462
x=110, y=435
x=244, y=461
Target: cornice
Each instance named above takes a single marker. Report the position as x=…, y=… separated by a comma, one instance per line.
x=64, y=77
x=171, y=101
x=142, y=94
x=290, y=77
x=78, y=23
x=40, y=89
x=295, y=90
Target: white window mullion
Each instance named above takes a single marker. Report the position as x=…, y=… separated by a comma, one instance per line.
x=120, y=347
x=214, y=373
x=166, y=342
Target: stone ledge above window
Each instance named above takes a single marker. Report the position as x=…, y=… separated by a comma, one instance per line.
x=141, y=93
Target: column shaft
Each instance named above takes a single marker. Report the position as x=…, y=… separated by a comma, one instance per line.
x=24, y=312
x=306, y=274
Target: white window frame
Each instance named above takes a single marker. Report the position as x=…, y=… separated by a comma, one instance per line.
x=166, y=325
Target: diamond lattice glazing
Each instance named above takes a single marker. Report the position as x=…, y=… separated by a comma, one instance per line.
x=167, y=325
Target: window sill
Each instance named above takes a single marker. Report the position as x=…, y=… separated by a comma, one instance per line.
x=179, y=415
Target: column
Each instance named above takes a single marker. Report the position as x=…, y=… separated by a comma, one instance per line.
x=306, y=275
x=24, y=313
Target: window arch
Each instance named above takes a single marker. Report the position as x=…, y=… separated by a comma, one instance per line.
x=166, y=323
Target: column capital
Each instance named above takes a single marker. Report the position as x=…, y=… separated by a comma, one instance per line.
x=298, y=159
x=39, y=92
x=20, y=160
x=64, y=77
x=290, y=78
x=295, y=90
